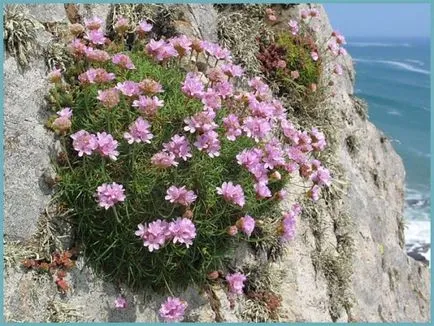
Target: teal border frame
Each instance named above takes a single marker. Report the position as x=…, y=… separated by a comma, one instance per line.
x=2, y=320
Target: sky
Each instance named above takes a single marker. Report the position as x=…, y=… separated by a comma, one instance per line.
x=380, y=19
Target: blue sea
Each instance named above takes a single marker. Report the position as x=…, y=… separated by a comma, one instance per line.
x=393, y=76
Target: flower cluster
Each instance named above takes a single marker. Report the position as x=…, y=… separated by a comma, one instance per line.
x=236, y=282
x=102, y=143
x=264, y=146
x=287, y=226
x=180, y=196
x=109, y=195
x=158, y=232
x=63, y=122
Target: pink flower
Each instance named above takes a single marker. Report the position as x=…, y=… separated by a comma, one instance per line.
x=249, y=158
x=61, y=124
x=154, y=234
x=148, y=105
x=342, y=51
x=340, y=39
x=84, y=142
x=314, y=12
x=288, y=223
x=107, y=145
x=281, y=194
x=93, y=23
x=182, y=45
x=304, y=14
x=246, y=224
x=314, y=192
x=314, y=55
x=109, y=98
x=295, y=154
x=55, y=76
x=281, y=64
x=129, y=88
x=139, y=131
x=236, y=282
x=290, y=131
x=256, y=128
x=98, y=75
x=304, y=142
x=153, y=47
x=95, y=36
x=123, y=61
x=173, y=310
x=232, y=193
x=211, y=99
x=150, y=87
x=295, y=74
x=201, y=122
x=262, y=191
x=224, y=89
x=179, y=147
x=192, y=86
x=120, y=302
x=321, y=177
x=180, y=196
x=164, y=160
x=261, y=88
x=110, y=194
x=215, y=75
x=333, y=47
x=232, y=126
x=318, y=140
x=97, y=55
x=293, y=26
x=65, y=113
x=232, y=70
x=273, y=155
x=183, y=231
x=143, y=28
x=209, y=143
x=166, y=52
x=77, y=48
x=338, y=69
x=121, y=25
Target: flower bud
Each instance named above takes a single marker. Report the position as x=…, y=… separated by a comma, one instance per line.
x=232, y=230
x=213, y=275
x=76, y=29
x=276, y=176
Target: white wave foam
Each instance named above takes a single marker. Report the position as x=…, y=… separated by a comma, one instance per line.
x=394, y=112
x=417, y=232
x=418, y=62
x=402, y=65
x=378, y=44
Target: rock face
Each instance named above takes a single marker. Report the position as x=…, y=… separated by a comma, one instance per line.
x=385, y=285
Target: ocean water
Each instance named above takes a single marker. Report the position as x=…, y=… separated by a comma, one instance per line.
x=393, y=76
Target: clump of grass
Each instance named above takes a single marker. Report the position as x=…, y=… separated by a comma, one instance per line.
x=20, y=34
x=263, y=301
x=239, y=27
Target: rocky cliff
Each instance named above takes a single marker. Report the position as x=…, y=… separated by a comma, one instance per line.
x=347, y=262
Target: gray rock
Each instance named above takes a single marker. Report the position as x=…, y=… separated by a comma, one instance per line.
x=48, y=13
x=26, y=147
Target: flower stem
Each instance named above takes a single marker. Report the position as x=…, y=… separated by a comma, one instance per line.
x=66, y=153
x=116, y=214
